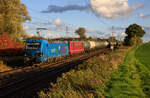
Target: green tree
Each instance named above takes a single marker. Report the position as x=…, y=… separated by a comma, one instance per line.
x=81, y=32
x=12, y=14
x=112, y=39
x=134, y=33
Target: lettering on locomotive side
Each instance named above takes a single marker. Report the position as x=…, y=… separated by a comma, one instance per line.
x=64, y=49
x=53, y=50
x=33, y=45
x=59, y=49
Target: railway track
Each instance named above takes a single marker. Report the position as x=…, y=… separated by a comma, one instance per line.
x=31, y=78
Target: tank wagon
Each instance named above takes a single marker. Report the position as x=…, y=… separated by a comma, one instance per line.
x=90, y=45
x=41, y=50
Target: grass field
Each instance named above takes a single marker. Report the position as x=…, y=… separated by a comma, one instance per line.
x=143, y=55
x=132, y=79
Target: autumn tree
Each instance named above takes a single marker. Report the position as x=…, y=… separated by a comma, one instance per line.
x=81, y=32
x=134, y=34
x=12, y=14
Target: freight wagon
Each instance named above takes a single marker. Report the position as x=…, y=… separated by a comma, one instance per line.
x=90, y=45
x=76, y=47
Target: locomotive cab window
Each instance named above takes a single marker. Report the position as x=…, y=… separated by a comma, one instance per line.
x=33, y=45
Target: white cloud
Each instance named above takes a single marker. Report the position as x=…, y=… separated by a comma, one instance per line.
x=113, y=8
x=26, y=27
x=57, y=21
x=103, y=8
x=53, y=22
x=51, y=35
x=123, y=34
x=144, y=16
x=141, y=15
x=60, y=35
x=31, y=34
x=146, y=28
x=56, y=25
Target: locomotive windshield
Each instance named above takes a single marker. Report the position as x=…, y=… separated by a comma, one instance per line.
x=33, y=45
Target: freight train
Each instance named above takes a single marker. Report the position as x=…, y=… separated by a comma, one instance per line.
x=41, y=50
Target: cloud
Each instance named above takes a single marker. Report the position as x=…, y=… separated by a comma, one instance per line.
x=61, y=9
x=144, y=16
x=51, y=35
x=146, y=28
x=30, y=34
x=113, y=9
x=103, y=8
x=57, y=21
x=93, y=31
x=117, y=28
x=54, y=22
x=26, y=27
x=60, y=35
x=55, y=25
x=123, y=34
x=146, y=37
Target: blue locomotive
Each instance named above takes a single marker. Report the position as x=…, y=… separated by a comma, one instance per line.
x=41, y=50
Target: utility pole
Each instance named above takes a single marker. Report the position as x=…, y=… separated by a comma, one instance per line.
x=39, y=30
x=113, y=31
x=67, y=29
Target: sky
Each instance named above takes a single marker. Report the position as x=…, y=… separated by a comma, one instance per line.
x=62, y=17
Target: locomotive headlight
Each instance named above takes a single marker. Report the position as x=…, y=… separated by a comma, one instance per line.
x=41, y=54
x=26, y=54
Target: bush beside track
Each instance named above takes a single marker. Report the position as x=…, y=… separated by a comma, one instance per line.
x=9, y=47
x=88, y=79
x=4, y=67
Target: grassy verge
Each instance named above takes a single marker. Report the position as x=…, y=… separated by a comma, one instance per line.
x=132, y=79
x=88, y=79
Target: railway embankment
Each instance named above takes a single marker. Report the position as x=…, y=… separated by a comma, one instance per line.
x=26, y=82
x=88, y=79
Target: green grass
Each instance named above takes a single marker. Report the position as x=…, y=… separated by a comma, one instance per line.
x=132, y=79
x=143, y=54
